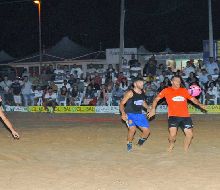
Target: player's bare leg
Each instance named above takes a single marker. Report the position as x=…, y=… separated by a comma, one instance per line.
x=188, y=138
x=131, y=132
x=172, y=138
x=145, y=134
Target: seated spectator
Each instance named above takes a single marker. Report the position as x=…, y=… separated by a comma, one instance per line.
x=216, y=71
x=9, y=98
x=167, y=82
x=211, y=93
x=211, y=65
x=121, y=77
x=66, y=84
x=72, y=80
x=207, y=84
x=38, y=96
x=53, y=86
x=58, y=70
x=124, y=84
x=34, y=79
x=49, y=99
x=94, y=85
x=97, y=79
x=76, y=70
x=49, y=70
x=80, y=85
x=162, y=76
x=192, y=79
x=179, y=73
x=117, y=94
x=110, y=72
x=169, y=71
x=217, y=82
x=90, y=96
x=102, y=98
x=74, y=95
x=90, y=92
x=150, y=91
x=160, y=69
x=162, y=86
x=87, y=80
x=62, y=96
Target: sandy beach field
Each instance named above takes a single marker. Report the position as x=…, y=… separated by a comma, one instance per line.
x=88, y=152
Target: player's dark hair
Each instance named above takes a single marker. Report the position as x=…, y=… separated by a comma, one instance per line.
x=181, y=79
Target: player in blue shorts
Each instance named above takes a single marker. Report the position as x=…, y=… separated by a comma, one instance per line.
x=131, y=107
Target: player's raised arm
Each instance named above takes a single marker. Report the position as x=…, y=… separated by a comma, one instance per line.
x=124, y=100
x=197, y=102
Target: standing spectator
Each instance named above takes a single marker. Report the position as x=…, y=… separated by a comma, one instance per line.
x=189, y=68
x=150, y=68
x=5, y=85
x=203, y=77
x=16, y=89
x=211, y=65
x=27, y=92
x=133, y=62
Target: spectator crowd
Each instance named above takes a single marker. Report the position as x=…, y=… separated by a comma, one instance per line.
x=99, y=87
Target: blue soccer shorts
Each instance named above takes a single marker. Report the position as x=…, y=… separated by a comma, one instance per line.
x=138, y=120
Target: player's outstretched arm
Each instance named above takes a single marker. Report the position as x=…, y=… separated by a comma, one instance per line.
x=9, y=125
x=152, y=111
x=197, y=102
x=124, y=100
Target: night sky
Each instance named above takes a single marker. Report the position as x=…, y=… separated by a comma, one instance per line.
x=178, y=24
